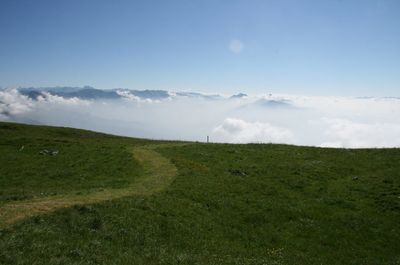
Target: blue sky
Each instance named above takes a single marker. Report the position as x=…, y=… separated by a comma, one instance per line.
x=298, y=47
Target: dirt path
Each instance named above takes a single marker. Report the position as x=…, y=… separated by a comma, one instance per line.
x=159, y=173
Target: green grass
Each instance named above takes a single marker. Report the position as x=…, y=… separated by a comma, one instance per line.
x=228, y=204
x=86, y=161
x=158, y=173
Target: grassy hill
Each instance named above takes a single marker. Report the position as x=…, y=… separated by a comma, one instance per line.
x=113, y=200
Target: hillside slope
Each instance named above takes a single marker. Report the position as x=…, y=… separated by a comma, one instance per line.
x=227, y=204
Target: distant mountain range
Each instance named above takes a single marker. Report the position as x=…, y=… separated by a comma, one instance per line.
x=88, y=92
x=91, y=93
x=11, y=102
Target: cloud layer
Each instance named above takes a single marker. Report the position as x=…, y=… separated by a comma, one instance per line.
x=13, y=103
x=239, y=131
x=301, y=120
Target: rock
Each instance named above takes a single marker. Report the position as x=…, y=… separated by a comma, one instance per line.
x=44, y=152
x=49, y=152
x=237, y=172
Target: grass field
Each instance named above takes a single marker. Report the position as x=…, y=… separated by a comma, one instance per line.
x=132, y=201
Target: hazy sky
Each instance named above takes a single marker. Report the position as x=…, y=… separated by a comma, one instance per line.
x=300, y=47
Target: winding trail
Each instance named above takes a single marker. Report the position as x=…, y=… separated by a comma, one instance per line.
x=159, y=173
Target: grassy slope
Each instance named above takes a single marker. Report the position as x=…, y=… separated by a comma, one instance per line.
x=158, y=173
x=230, y=204
x=85, y=162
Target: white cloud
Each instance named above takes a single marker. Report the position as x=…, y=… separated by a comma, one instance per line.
x=49, y=98
x=236, y=46
x=346, y=133
x=129, y=96
x=18, y=107
x=305, y=120
x=240, y=131
x=13, y=103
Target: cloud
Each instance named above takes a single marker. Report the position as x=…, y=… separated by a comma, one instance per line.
x=346, y=133
x=129, y=96
x=49, y=98
x=240, y=131
x=304, y=120
x=236, y=46
x=13, y=103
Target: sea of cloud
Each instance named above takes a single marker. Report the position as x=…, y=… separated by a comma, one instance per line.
x=301, y=120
